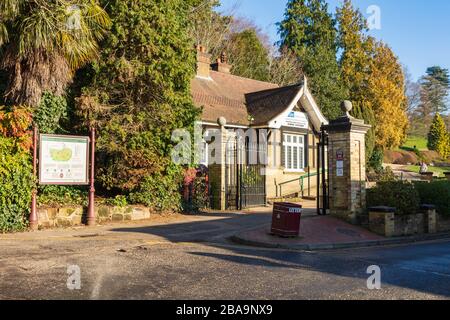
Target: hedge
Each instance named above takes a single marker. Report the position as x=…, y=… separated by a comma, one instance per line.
x=406, y=197
x=401, y=195
x=16, y=187
x=436, y=193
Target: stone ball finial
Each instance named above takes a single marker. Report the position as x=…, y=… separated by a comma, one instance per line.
x=222, y=121
x=347, y=106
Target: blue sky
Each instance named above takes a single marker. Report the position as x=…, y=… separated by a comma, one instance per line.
x=417, y=30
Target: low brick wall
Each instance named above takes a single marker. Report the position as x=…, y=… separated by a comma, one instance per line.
x=384, y=221
x=409, y=225
x=75, y=215
x=443, y=224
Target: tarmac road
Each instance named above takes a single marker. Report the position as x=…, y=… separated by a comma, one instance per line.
x=190, y=258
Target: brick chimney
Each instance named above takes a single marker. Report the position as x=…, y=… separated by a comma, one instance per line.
x=222, y=64
x=203, y=62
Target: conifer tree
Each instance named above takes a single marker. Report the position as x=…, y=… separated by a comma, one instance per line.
x=308, y=30
x=438, y=137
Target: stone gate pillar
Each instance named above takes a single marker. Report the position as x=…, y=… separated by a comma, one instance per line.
x=347, y=165
x=217, y=169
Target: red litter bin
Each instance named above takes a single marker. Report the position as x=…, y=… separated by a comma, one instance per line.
x=286, y=219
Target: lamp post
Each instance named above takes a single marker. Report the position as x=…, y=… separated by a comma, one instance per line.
x=91, y=207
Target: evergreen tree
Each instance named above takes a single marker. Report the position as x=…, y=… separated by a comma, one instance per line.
x=366, y=113
x=139, y=94
x=435, y=90
x=308, y=30
x=248, y=56
x=438, y=137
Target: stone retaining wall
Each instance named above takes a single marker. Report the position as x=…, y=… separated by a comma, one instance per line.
x=409, y=225
x=443, y=224
x=384, y=221
x=73, y=216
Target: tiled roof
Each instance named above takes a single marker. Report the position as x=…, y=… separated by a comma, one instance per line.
x=265, y=105
x=226, y=95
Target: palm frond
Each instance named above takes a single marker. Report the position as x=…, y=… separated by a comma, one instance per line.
x=38, y=31
x=4, y=38
x=48, y=40
x=9, y=8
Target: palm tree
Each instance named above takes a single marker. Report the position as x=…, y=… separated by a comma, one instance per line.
x=42, y=43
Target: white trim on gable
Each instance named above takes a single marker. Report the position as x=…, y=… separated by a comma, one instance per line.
x=308, y=103
x=278, y=121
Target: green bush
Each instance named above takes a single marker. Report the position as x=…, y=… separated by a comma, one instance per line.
x=199, y=196
x=160, y=192
x=117, y=201
x=376, y=160
x=401, y=195
x=50, y=113
x=62, y=196
x=436, y=193
x=16, y=186
x=438, y=137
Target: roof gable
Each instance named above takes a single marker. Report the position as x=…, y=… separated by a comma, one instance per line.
x=266, y=105
x=224, y=95
x=250, y=102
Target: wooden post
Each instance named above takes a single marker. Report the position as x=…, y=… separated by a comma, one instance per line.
x=33, y=215
x=91, y=208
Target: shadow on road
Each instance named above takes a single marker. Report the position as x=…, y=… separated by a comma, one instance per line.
x=422, y=267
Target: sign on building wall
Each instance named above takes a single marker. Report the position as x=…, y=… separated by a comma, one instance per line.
x=339, y=163
x=339, y=168
x=297, y=120
x=63, y=160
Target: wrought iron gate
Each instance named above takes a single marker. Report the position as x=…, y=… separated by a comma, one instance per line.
x=245, y=179
x=323, y=191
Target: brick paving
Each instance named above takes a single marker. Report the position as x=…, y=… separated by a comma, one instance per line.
x=314, y=230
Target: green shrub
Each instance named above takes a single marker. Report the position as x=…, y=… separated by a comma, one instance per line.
x=62, y=196
x=376, y=160
x=199, y=196
x=436, y=193
x=117, y=201
x=438, y=137
x=160, y=192
x=397, y=194
x=16, y=186
x=50, y=113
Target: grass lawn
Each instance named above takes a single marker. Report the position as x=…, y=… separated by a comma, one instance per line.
x=439, y=170
x=419, y=142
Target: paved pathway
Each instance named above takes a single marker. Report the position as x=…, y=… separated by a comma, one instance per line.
x=315, y=231
x=402, y=171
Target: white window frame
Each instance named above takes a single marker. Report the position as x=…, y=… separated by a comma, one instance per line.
x=204, y=156
x=294, y=152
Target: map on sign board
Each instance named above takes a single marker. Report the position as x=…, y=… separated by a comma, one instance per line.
x=297, y=119
x=63, y=160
